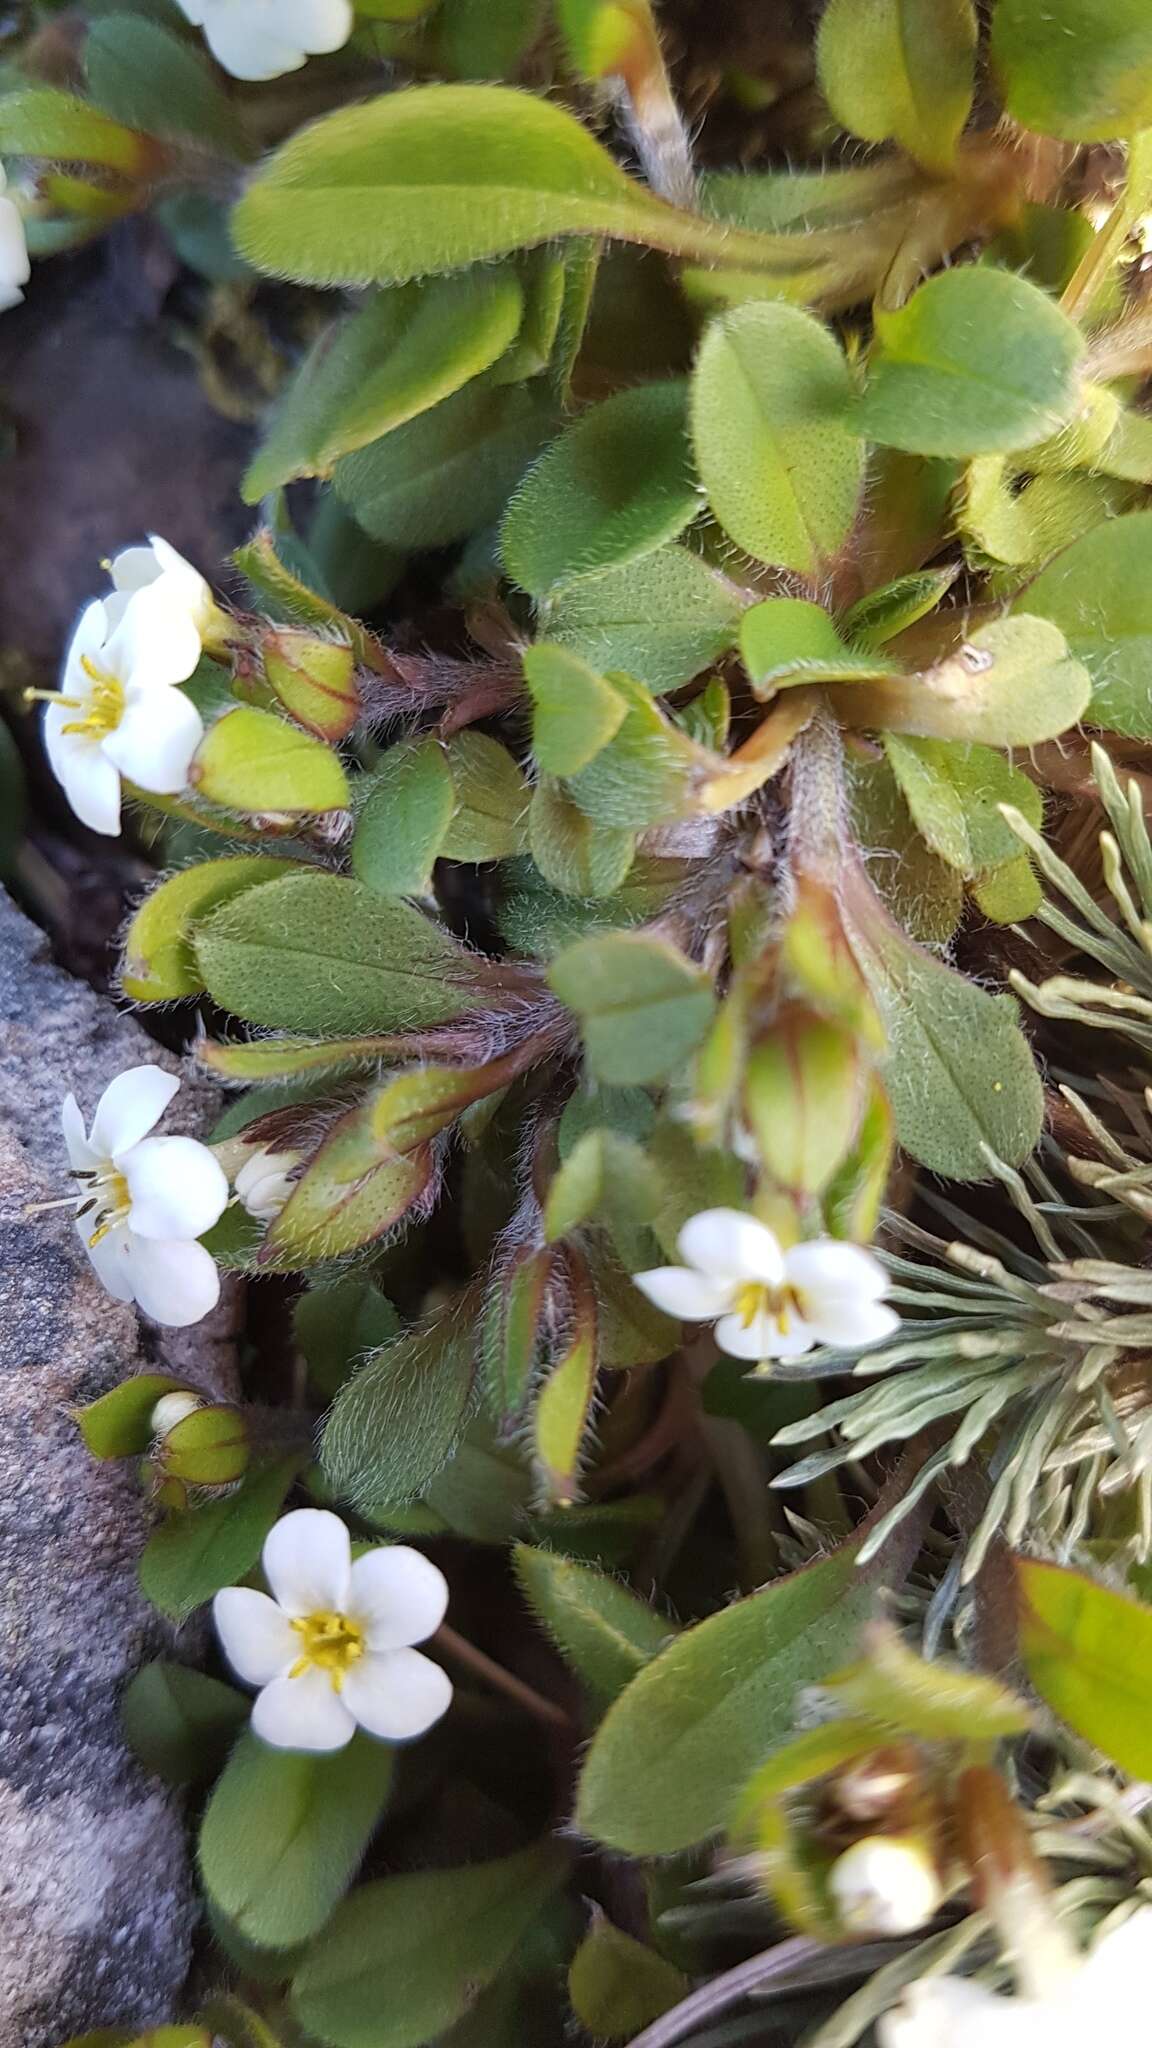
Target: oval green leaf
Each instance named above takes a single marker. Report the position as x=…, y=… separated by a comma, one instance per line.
x=709, y=1709
x=284, y=1833
x=615, y=486
x=770, y=399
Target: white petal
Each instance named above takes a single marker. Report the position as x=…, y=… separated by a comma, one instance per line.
x=318, y=26
x=684, y=1292
x=111, y=1257
x=80, y=1152
x=89, y=780
x=1116, y=1974
x=15, y=268
x=398, y=1596
x=763, y=1337
x=89, y=639
x=948, y=2012
x=129, y=1107
x=155, y=740
x=175, y=1280
x=155, y=641
x=303, y=1713
x=243, y=44
x=265, y=1182
x=133, y=569
x=178, y=1188
x=397, y=1694
x=307, y=1562
x=729, y=1244
x=828, y=1267
x=257, y=1639
x=850, y=1324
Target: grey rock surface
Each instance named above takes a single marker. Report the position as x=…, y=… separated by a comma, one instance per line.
x=96, y=1899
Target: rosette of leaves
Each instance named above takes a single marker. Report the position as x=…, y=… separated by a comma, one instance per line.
x=661, y=583
x=746, y=694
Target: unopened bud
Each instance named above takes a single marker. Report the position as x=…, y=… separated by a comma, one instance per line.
x=171, y=1409
x=206, y=1447
x=314, y=678
x=804, y=1089
x=871, y=1788
x=265, y=1182
x=883, y=1885
x=820, y=960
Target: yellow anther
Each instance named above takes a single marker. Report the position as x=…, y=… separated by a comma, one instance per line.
x=330, y=1642
x=751, y=1301
x=104, y=709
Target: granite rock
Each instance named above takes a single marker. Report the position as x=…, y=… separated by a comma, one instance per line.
x=96, y=1898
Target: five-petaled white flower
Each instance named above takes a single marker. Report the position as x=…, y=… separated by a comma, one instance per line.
x=332, y=1649
x=15, y=269
x=265, y=38
x=767, y=1302
x=265, y=1182
x=1104, y=1997
x=117, y=711
x=142, y=1202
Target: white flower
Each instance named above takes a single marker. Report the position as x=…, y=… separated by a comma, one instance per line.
x=883, y=1885
x=332, y=1649
x=143, y=1201
x=265, y=1182
x=769, y=1303
x=15, y=269
x=265, y=38
x=176, y=592
x=117, y=711
x=1104, y=1998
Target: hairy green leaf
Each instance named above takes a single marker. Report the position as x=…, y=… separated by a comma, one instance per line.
x=318, y=952
x=709, y=1709
x=664, y=618
x=900, y=70
x=770, y=400
x=403, y=353
x=976, y=361
x=407, y=1957
x=284, y=1832
x=617, y=485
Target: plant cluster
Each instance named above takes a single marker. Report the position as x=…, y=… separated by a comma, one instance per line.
x=595, y=832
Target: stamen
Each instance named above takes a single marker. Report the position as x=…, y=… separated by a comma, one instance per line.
x=751, y=1301
x=108, y=1222
x=331, y=1642
x=52, y=697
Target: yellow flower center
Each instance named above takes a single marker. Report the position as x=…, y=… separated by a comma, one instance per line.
x=105, y=706
x=755, y=1299
x=331, y=1642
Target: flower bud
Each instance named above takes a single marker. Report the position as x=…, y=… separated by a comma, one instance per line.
x=883, y=1885
x=206, y=1447
x=314, y=678
x=804, y=1089
x=820, y=960
x=171, y=1409
x=265, y=1182
x=875, y=1786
